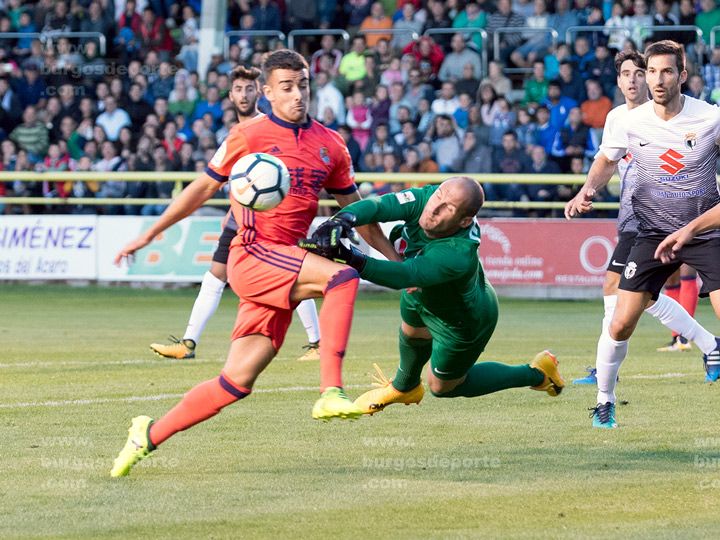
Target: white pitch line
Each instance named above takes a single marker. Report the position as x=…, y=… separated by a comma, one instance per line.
x=157, y=397
x=661, y=376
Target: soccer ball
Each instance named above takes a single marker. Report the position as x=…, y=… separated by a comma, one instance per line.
x=259, y=181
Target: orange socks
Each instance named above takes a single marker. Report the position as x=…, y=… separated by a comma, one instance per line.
x=335, y=321
x=689, y=294
x=202, y=402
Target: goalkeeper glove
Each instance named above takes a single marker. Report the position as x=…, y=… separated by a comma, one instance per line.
x=339, y=253
x=335, y=229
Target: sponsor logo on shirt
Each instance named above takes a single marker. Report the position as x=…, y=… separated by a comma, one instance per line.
x=671, y=163
x=404, y=197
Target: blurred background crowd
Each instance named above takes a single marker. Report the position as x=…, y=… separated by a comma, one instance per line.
x=403, y=100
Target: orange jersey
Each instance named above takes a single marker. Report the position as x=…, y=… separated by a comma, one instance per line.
x=316, y=157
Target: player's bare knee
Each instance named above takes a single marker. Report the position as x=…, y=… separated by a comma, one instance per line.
x=621, y=329
x=440, y=387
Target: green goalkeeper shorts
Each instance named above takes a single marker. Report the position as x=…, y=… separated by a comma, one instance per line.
x=454, y=350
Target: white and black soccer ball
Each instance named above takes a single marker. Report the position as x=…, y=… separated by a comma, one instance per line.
x=259, y=181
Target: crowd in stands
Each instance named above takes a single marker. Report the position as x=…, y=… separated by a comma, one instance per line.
x=403, y=100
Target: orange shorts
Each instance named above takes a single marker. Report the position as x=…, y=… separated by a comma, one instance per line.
x=263, y=275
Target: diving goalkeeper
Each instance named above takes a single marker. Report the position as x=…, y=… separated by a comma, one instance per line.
x=448, y=309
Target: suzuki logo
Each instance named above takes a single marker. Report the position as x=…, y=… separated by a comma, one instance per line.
x=672, y=165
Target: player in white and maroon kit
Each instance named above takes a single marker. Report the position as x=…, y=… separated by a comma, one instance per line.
x=630, y=68
x=674, y=142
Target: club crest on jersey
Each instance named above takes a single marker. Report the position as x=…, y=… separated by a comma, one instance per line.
x=690, y=140
x=324, y=155
x=630, y=270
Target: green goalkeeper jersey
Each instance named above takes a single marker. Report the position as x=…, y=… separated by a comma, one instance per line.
x=447, y=271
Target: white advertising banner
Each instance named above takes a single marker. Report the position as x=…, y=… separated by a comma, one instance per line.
x=182, y=253
x=48, y=247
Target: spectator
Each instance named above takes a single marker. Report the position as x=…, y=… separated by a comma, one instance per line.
x=83, y=189
x=426, y=49
x=154, y=35
x=525, y=129
x=536, y=86
x=489, y=106
x=380, y=144
x=266, y=15
x=425, y=116
x=596, y=107
x=352, y=145
x=411, y=163
x=96, y=21
x=563, y=18
x=638, y=22
x=159, y=190
x=385, y=56
x=502, y=121
x=392, y=74
x=536, y=42
x=190, y=39
x=359, y=119
x=707, y=18
x=408, y=136
x=380, y=107
x=69, y=133
x=171, y=142
x=32, y=135
x=405, y=27
x=356, y=11
x=113, y=119
x=165, y=82
x=505, y=17
x=545, y=132
x=24, y=44
x=508, y=159
x=574, y=140
x=179, y=102
x=327, y=48
x=571, y=84
x=210, y=105
x=137, y=108
x=462, y=113
x=447, y=102
x=326, y=95
x=471, y=17
x=446, y=143
x=663, y=17
x=373, y=23
x=468, y=83
x=352, y=66
x=711, y=74
x=427, y=163
x=603, y=69
x=558, y=105
x=302, y=14
x=496, y=78
x=397, y=100
x=416, y=90
x=553, y=58
x=30, y=87
x=453, y=66
x=475, y=158
x=583, y=56
x=438, y=19
x=114, y=189
x=615, y=27
x=10, y=108
x=59, y=20
x=130, y=17
x=372, y=75
x=697, y=89
x=540, y=164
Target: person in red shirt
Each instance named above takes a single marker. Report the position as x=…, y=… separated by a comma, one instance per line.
x=266, y=269
x=426, y=49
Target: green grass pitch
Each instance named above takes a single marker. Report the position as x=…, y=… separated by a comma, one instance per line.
x=76, y=366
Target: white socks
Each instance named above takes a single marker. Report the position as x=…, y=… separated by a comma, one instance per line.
x=609, y=302
x=673, y=315
x=205, y=305
x=610, y=354
x=307, y=312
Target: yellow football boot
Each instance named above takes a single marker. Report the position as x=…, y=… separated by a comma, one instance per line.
x=548, y=364
x=137, y=447
x=312, y=352
x=177, y=348
x=386, y=394
x=333, y=403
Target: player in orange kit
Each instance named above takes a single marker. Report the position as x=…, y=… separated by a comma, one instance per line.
x=266, y=269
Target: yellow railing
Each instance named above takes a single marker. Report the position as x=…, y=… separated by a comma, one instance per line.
x=180, y=177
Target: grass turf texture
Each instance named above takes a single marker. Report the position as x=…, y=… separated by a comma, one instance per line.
x=515, y=464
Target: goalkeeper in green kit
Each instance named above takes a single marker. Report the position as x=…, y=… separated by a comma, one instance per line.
x=448, y=309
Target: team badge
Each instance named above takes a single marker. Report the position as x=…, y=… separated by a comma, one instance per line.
x=690, y=140
x=324, y=155
x=630, y=270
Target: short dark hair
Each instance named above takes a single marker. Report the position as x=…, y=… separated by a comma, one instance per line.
x=283, y=59
x=667, y=46
x=635, y=57
x=248, y=74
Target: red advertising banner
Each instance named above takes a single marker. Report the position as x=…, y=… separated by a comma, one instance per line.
x=547, y=251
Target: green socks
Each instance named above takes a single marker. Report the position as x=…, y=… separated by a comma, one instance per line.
x=414, y=354
x=488, y=377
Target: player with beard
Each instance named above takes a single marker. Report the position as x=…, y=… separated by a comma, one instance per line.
x=674, y=140
x=266, y=269
x=630, y=67
x=244, y=94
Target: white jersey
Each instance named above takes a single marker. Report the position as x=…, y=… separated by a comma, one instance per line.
x=627, y=222
x=674, y=161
